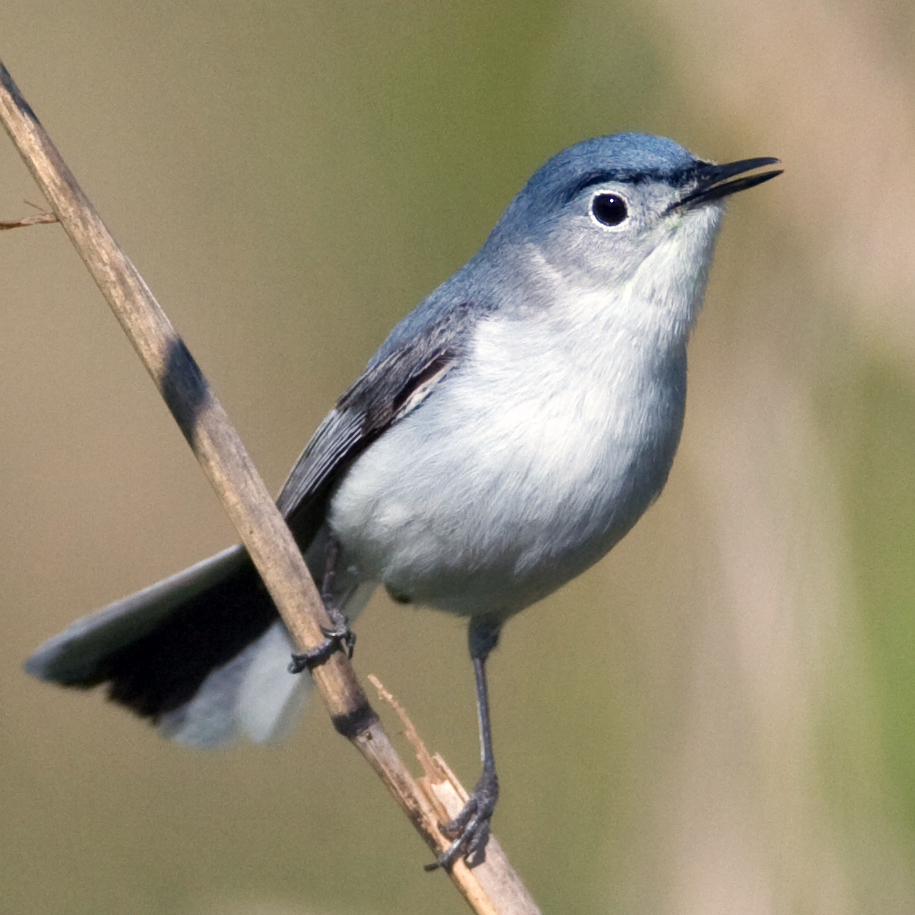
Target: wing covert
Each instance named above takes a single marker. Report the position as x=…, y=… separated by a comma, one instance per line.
x=393, y=384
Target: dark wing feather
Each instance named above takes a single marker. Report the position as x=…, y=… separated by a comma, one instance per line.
x=393, y=384
x=161, y=668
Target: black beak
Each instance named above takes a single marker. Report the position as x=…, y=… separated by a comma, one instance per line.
x=711, y=181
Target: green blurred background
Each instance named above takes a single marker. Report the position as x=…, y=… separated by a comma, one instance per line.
x=718, y=718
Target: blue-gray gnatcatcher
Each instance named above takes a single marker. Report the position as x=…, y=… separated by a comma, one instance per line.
x=510, y=430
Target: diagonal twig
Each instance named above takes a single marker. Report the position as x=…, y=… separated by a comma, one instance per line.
x=492, y=887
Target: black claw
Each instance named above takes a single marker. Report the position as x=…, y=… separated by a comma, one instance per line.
x=340, y=635
x=462, y=823
x=347, y=639
x=470, y=829
x=446, y=859
x=310, y=659
x=335, y=638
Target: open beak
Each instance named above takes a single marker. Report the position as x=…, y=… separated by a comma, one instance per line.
x=716, y=181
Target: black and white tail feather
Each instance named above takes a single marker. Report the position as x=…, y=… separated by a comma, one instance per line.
x=204, y=653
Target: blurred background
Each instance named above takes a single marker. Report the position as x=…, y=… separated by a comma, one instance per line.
x=720, y=716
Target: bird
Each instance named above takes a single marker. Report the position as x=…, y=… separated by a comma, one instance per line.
x=508, y=432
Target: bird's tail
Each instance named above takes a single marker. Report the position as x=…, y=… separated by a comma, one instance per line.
x=203, y=654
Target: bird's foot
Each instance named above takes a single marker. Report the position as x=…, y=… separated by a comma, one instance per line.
x=471, y=827
x=336, y=637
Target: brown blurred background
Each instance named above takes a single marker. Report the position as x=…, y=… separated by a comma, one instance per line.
x=718, y=718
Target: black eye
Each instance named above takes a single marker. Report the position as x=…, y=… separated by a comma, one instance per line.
x=610, y=209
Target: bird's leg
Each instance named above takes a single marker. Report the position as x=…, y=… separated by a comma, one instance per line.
x=470, y=828
x=337, y=635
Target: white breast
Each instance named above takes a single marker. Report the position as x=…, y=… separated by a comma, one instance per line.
x=527, y=463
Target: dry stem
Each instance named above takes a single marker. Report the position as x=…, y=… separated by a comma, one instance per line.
x=491, y=887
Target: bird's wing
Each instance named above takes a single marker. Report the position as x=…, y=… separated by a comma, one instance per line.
x=402, y=374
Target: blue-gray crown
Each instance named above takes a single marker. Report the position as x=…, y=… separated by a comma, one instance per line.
x=627, y=157
x=619, y=156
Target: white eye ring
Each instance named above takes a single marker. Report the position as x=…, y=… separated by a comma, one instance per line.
x=609, y=209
